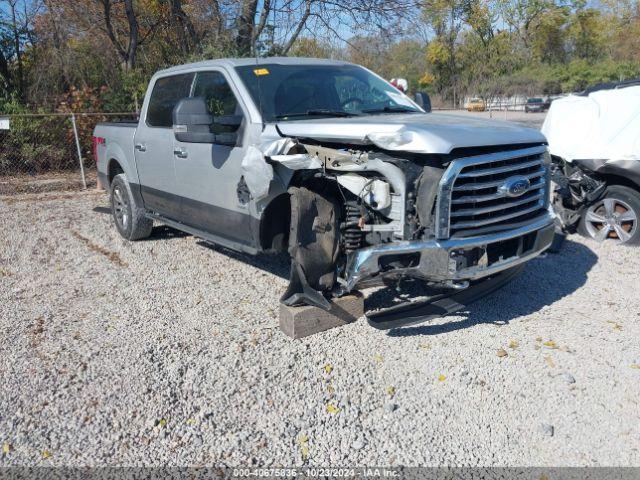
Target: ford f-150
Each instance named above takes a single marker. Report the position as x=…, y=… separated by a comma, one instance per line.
x=328, y=161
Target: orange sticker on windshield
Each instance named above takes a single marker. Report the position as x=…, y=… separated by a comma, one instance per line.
x=261, y=71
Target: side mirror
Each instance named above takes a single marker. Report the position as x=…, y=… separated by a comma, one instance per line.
x=422, y=99
x=230, y=125
x=192, y=121
x=231, y=121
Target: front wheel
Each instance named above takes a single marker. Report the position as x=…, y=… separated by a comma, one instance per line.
x=130, y=219
x=614, y=217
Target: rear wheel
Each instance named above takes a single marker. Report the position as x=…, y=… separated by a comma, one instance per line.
x=614, y=217
x=129, y=217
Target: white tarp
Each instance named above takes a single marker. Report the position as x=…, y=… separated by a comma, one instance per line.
x=605, y=125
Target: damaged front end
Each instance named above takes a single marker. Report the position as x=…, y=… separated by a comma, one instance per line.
x=576, y=186
x=598, y=198
x=362, y=215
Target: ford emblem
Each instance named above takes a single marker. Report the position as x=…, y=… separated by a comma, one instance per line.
x=515, y=186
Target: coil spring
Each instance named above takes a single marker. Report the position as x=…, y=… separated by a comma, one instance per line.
x=352, y=234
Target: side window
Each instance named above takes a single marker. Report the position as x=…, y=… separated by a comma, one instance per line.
x=213, y=87
x=167, y=92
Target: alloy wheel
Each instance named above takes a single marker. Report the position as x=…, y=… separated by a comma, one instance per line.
x=611, y=218
x=121, y=207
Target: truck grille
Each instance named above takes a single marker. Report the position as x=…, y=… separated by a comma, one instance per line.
x=474, y=199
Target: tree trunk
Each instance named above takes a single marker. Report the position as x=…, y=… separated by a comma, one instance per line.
x=18, y=49
x=264, y=15
x=4, y=72
x=187, y=32
x=246, y=27
x=128, y=55
x=132, y=51
x=299, y=27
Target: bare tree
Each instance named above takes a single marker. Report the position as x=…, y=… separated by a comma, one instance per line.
x=301, y=24
x=286, y=20
x=187, y=34
x=128, y=49
x=16, y=43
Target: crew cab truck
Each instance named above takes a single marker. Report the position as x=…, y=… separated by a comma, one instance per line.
x=328, y=161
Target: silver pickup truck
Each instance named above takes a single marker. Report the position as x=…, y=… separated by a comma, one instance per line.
x=360, y=183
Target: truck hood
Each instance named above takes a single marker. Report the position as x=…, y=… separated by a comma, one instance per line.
x=418, y=133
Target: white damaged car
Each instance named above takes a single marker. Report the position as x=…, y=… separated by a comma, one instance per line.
x=594, y=139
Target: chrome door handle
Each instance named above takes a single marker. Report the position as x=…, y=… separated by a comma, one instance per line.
x=180, y=152
x=141, y=147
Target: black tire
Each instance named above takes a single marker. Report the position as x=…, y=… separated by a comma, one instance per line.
x=617, y=209
x=130, y=218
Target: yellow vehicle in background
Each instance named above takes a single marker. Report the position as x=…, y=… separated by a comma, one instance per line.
x=476, y=105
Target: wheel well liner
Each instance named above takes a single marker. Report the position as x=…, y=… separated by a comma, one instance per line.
x=114, y=168
x=275, y=224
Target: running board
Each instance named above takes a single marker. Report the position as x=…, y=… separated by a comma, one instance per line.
x=206, y=236
x=407, y=314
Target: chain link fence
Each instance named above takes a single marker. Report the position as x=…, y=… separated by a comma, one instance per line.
x=46, y=152
x=50, y=152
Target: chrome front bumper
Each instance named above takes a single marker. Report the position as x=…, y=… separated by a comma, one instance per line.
x=452, y=259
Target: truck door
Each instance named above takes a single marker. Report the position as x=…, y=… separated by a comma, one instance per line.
x=153, y=145
x=207, y=175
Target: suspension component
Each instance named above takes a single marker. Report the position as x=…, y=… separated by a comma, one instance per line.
x=351, y=228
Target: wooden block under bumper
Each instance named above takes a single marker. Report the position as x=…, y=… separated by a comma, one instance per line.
x=298, y=322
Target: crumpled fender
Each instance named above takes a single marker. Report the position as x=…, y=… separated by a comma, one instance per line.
x=629, y=169
x=258, y=172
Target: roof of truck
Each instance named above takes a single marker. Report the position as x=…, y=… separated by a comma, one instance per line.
x=241, y=62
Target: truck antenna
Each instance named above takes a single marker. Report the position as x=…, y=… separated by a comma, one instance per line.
x=258, y=74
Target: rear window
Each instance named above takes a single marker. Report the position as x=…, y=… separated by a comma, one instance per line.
x=167, y=92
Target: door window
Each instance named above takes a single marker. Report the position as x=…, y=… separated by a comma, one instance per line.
x=167, y=92
x=220, y=99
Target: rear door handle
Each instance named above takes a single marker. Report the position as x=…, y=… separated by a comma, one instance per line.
x=180, y=152
x=141, y=147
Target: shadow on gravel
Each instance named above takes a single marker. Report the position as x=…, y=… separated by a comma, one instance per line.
x=275, y=264
x=105, y=210
x=543, y=282
x=162, y=232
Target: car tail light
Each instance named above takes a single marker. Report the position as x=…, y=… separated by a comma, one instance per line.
x=96, y=142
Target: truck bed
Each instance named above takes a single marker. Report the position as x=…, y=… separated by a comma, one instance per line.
x=119, y=138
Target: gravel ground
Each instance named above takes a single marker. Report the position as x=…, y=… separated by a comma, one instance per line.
x=167, y=352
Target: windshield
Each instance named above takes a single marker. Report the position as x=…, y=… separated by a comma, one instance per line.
x=294, y=92
x=534, y=100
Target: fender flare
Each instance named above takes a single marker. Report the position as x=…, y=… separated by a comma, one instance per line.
x=115, y=152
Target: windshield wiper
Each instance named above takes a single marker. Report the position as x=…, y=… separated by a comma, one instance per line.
x=392, y=109
x=308, y=113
